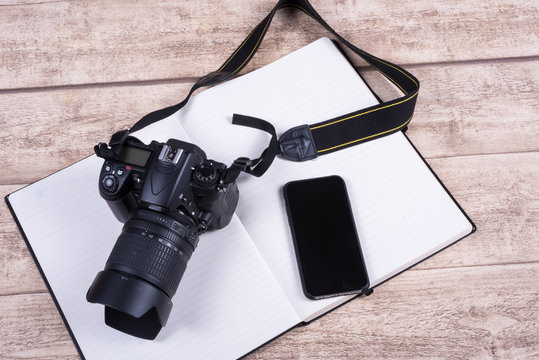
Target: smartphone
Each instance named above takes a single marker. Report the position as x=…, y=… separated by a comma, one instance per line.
x=327, y=247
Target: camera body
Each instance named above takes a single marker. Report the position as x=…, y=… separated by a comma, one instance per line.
x=166, y=194
x=167, y=177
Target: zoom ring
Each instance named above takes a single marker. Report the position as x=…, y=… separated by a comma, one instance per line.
x=137, y=226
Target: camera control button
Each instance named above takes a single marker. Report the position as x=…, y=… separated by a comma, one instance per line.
x=120, y=171
x=110, y=183
x=108, y=168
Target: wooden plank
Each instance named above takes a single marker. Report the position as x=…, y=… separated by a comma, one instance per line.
x=475, y=108
x=49, y=130
x=468, y=109
x=479, y=312
x=499, y=192
x=482, y=313
x=64, y=43
x=31, y=328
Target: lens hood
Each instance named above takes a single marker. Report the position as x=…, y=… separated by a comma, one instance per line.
x=132, y=305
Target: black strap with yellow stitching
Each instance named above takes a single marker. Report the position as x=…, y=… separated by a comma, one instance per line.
x=307, y=141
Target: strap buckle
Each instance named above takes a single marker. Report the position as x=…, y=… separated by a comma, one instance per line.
x=243, y=163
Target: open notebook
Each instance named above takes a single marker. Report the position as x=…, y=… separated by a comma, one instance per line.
x=242, y=286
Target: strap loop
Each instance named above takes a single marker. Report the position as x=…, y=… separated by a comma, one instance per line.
x=118, y=138
x=297, y=144
x=256, y=167
x=116, y=141
x=244, y=163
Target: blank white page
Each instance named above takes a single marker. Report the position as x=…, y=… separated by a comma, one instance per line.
x=402, y=213
x=227, y=304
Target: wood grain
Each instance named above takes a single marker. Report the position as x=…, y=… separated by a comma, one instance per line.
x=500, y=194
x=55, y=128
x=31, y=328
x=60, y=42
x=462, y=110
x=422, y=314
x=462, y=313
x=481, y=108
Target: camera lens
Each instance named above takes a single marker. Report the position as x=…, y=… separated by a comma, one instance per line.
x=144, y=270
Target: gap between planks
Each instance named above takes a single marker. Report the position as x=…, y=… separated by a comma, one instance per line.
x=188, y=80
x=414, y=269
x=7, y=183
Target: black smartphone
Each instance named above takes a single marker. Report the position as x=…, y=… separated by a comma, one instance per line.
x=327, y=247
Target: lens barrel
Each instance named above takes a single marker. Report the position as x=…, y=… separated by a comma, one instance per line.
x=155, y=248
x=144, y=270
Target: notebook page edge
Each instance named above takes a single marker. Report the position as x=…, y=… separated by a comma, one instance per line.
x=20, y=228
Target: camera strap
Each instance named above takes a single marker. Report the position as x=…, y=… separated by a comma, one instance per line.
x=303, y=142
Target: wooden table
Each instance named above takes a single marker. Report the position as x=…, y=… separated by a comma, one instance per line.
x=71, y=73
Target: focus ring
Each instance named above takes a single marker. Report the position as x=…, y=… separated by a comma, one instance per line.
x=186, y=227
x=137, y=225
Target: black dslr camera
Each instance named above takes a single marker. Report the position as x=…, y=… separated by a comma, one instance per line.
x=166, y=195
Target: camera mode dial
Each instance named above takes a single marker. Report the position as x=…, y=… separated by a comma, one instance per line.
x=205, y=175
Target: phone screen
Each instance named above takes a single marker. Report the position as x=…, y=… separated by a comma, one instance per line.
x=325, y=237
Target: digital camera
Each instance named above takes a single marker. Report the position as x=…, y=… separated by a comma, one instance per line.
x=166, y=194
